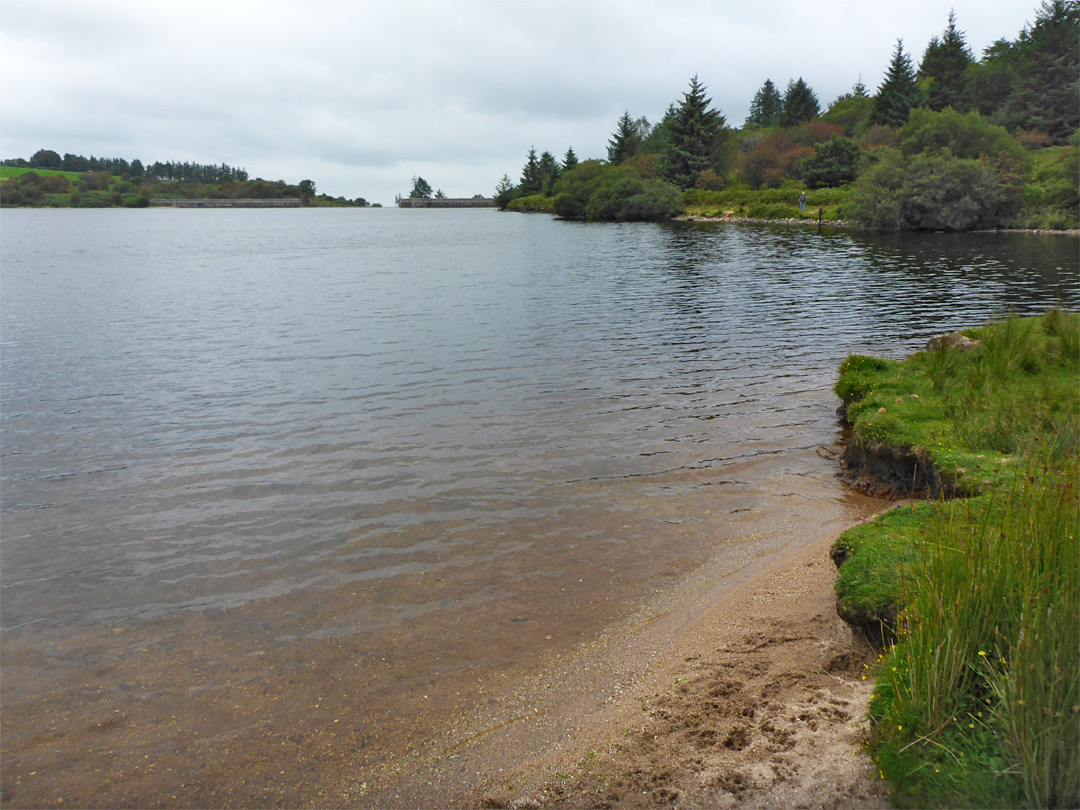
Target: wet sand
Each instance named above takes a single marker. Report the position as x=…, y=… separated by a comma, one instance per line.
x=323, y=699
x=751, y=694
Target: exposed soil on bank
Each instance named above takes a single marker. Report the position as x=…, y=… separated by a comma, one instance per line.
x=763, y=706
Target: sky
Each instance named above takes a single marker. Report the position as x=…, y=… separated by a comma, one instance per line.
x=361, y=97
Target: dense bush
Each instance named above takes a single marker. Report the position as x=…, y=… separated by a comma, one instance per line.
x=929, y=192
x=532, y=204
x=965, y=136
x=832, y=164
x=594, y=191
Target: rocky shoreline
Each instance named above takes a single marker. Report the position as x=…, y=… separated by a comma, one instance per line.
x=837, y=223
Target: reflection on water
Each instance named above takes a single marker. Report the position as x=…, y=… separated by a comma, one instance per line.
x=303, y=484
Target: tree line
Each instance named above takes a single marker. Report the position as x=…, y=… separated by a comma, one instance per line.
x=185, y=172
x=1027, y=88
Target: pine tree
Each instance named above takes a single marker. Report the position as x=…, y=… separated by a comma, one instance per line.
x=504, y=191
x=570, y=160
x=549, y=171
x=898, y=93
x=767, y=106
x=695, y=136
x=941, y=72
x=530, y=175
x=624, y=142
x=1045, y=64
x=800, y=104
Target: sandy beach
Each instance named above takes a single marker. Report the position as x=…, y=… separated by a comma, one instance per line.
x=759, y=701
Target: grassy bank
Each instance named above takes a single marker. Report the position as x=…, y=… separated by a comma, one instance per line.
x=976, y=599
x=766, y=203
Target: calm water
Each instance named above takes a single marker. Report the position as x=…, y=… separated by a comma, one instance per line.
x=239, y=443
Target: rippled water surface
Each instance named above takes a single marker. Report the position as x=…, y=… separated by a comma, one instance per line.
x=360, y=453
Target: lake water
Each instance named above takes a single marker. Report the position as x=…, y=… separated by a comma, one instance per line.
x=310, y=487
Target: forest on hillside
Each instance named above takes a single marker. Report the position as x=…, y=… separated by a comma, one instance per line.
x=48, y=180
x=954, y=143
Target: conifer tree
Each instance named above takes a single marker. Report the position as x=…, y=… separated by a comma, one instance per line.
x=504, y=191
x=1045, y=64
x=624, y=142
x=941, y=73
x=800, y=104
x=767, y=106
x=898, y=93
x=530, y=175
x=549, y=171
x=570, y=160
x=695, y=135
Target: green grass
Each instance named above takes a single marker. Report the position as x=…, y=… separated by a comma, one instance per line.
x=973, y=412
x=765, y=203
x=16, y=171
x=978, y=700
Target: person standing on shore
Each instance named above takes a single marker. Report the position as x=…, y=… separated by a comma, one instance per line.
x=802, y=202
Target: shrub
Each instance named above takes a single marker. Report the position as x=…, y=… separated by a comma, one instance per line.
x=534, y=203
x=965, y=136
x=849, y=113
x=880, y=135
x=833, y=163
x=929, y=192
x=710, y=180
x=772, y=211
x=811, y=132
x=594, y=191
x=778, y=157
x=1034, y=140
x=95, y=181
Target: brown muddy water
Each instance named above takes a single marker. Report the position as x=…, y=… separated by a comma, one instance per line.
x=296, y=503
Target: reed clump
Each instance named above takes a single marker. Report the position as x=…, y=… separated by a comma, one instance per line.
x=978, y=698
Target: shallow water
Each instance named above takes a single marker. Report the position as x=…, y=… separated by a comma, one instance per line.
x=303, y=486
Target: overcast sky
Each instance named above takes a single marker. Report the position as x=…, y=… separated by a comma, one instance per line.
x=361, y=96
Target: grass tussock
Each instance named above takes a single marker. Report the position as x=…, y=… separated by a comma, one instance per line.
x=978, y=698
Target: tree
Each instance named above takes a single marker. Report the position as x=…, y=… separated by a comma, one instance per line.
x=833, y=163
x=800, y=104
x=767, y=106
x=439, y=195
x=570, y=160
x=941, y=72
x=307, y=190
x=898, y=93
x=549, y=170
x=625, y=141
x=531, y=182
x=46, y=159
x=504, y=191
x=421, y=189
x=1045, y=63
x=696, y=138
